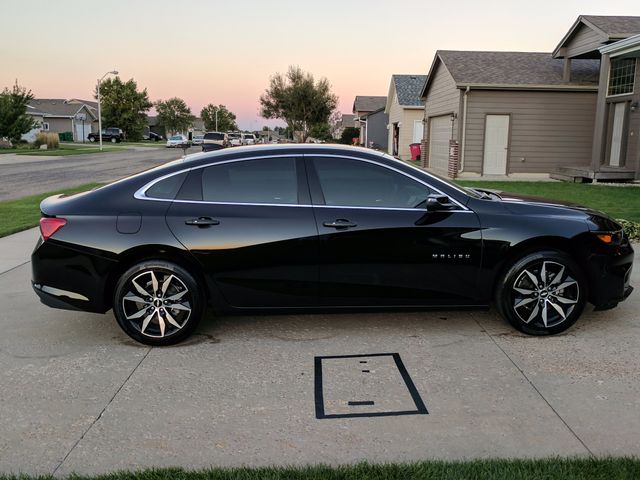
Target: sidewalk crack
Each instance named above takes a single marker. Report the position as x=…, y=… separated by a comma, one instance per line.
x=535, y=388
x=13, y=268
x=101, y=412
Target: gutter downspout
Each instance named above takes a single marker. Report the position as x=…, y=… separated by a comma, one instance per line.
x=464, y=128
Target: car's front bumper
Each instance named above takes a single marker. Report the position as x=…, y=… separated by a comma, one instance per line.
x=609, y=276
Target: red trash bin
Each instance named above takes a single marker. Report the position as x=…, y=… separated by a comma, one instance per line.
x=414, y=148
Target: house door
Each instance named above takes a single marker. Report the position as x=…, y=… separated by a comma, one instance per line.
x=616, y=134
x=396, y=138
x=496, y=145
x=418, y=131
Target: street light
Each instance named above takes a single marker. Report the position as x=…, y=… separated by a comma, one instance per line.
x=113, y=72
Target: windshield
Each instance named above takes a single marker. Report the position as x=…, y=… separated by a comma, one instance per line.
x=177, y=137
x=214, y=136
x=234, y=135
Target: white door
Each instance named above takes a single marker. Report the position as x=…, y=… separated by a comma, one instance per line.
x=80, y=133
x=439, y=135
x=418, y=131
x=496, y=144
x=616, y=134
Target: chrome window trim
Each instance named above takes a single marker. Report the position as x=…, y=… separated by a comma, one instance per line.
x=140, y=194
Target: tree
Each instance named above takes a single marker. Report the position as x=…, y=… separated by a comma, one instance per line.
x=299, y=100
x=123, y=106
x=14, y=120
x=174, y=115
x=321, y=131
x=226, y=119
x=348, y=134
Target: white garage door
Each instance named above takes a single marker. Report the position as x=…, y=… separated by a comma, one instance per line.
x=80, y=133
x=439, y=135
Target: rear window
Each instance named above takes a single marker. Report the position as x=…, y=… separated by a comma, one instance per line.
x=214, y=136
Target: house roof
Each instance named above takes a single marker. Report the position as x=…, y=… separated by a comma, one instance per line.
x=610, y=28
x=408, y=89
x=513, y=70
x=90, y=103
x=368, y=104
x=58, y=107
x=347, y=119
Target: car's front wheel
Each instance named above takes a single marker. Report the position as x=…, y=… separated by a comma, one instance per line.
x=114, y=139
x=542, y=293
x=158, y=303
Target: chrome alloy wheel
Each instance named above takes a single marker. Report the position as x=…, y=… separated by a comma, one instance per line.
x=157, y=303
x=545, y=293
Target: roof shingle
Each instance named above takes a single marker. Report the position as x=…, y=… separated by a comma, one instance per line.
x=408, y=89
x=368, y=104
x=615, y=26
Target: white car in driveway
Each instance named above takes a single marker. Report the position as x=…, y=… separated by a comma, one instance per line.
x=178, y=141
x=248, y=139
x=235, y=139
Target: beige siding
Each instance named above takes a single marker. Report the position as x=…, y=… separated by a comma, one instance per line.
x=59, y=125
x=548, y=129
x=443, y=97
x=633, y=135
x=584, y=40
x=406, y=117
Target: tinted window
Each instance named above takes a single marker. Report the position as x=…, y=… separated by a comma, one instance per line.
x=268, y=180
x=214, y=136
x=167, y=188
x=346, y=182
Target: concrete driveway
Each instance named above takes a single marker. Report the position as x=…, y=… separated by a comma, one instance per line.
x=79, y=396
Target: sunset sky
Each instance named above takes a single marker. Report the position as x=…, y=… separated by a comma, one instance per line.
x=225, y=52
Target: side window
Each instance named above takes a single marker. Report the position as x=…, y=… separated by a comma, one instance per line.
x=353, y=183
x=168, y=188
x=266, y=180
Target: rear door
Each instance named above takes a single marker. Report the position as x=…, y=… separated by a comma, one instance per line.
x=250, y=224
x=377, y=248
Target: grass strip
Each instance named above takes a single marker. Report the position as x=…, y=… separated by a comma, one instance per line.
x=23, y=213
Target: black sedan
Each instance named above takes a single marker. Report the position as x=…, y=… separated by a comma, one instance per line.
x=307, y=227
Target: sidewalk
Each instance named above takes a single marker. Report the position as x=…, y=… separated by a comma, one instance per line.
x=15, y=250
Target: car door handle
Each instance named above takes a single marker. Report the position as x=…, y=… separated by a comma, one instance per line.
x=340, y=223
x=202, y=222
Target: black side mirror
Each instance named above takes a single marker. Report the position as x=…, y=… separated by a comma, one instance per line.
x=437, y=202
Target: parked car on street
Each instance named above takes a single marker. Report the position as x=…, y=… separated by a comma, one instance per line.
x=248, y=139
x=178, y=141
x=197, y=139
x=111, y=134
x=308, y=227
x=235, y=139
x=214, y=141
x=153, y=136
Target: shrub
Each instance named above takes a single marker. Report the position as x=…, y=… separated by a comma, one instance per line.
x=632, y=229
x=51, y=140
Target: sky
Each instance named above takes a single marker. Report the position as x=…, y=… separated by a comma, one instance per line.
x=225, y=52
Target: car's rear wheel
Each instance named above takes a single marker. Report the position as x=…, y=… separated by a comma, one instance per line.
x=92, y=139
x=542, y=293
x=158, y=303
x=114, y=139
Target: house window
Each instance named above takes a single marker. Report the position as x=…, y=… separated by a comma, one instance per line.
x=621, y=76
x=45, y=126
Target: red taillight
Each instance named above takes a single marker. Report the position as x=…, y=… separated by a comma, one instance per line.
x=49, y=226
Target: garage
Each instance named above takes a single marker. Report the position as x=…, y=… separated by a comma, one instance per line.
x=439, y=135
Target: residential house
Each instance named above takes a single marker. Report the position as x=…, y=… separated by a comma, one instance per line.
x=362, y=105
x=511, y=113
x=375, y=124
x=615, y=41
x=60, y=116
x=346, y=120
x=406, y=113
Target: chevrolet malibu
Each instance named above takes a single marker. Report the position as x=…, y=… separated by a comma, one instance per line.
x=319, y=227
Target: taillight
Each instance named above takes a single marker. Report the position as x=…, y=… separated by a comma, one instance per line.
x=50, y=225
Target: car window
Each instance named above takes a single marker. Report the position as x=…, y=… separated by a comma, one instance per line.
x=267, y=180
x=347, y=182
x=167, y=188
x=214, y=136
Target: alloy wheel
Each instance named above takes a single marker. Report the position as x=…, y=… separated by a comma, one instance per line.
x=157, y=303
x=545, y=293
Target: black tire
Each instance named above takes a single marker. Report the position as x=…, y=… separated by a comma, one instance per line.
x=162, y=318
x=542, y=308
x=114, y=140
x=92, y=139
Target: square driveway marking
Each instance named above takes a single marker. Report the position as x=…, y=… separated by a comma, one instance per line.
x=373, y=385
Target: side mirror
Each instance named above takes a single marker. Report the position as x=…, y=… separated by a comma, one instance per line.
x=438, y=202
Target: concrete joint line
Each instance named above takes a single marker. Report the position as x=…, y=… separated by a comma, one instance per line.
x=536, y=389
x=17, y=266
x=55, y=470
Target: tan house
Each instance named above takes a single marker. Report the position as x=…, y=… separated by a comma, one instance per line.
x=615, y=41
x=406, y=112
x=362, y=106
x=60, y=116
x=511, y=113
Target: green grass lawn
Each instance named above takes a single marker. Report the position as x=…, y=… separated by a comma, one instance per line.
x=23, y=213
x=547, y=469
x=617, y=201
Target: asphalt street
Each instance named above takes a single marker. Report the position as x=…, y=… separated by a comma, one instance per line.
x=79, y=396
x=21, y=176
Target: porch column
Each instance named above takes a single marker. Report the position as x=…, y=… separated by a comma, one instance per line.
x=600, y=124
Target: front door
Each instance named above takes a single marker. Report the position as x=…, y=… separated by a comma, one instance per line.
x=379, y=246
x=250, y=225
x=496, y=145
x=616, y=134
